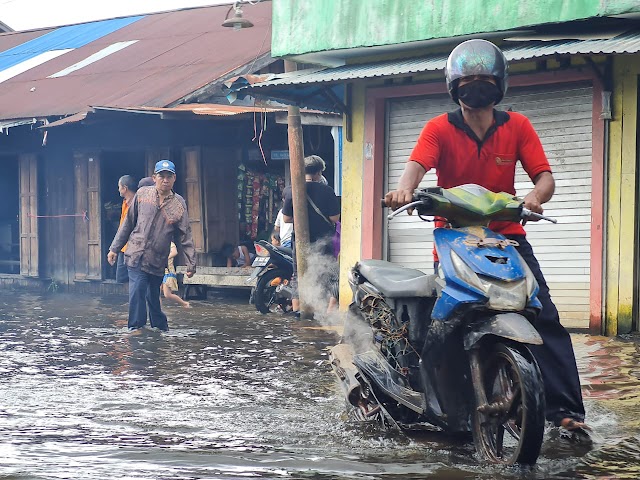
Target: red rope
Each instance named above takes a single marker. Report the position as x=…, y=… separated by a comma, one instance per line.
x=83, y=215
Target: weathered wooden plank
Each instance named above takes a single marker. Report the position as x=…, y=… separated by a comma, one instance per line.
x=194, y=196
x=218, y=277
x=29, y=245
x=81, y=205
x=94, y=218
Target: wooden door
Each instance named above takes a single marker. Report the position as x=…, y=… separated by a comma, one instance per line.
x=155, y=155
x=29, y=257
x=220, y=170
x=194, y=196
x=88, y=241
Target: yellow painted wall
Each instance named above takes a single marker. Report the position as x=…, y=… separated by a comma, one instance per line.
x=621, y=218
x=352, y=167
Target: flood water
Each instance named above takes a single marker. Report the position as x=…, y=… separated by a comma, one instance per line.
x=230, y=393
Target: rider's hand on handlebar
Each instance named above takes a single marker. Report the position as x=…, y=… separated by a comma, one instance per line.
x=532, y=202
x=398, y=198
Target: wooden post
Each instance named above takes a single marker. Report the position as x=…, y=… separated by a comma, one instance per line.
x=298, y=192
x=29, y=245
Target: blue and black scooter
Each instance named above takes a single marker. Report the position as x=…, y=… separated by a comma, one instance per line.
x=450, y=349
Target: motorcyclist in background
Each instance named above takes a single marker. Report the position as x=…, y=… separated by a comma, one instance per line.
x=481, y=145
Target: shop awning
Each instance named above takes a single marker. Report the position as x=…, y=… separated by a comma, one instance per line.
x=189, y=111
x=324, y=88
x=5, y=125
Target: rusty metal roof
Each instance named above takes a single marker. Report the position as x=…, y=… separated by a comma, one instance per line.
x=153, y=60
x=207, y=109
x=184, y=111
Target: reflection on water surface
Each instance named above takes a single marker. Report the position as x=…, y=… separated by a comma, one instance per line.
x=229, y=393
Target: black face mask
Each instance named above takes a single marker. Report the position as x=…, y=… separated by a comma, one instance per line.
x=478, y=94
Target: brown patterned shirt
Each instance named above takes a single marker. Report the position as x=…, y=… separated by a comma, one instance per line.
x=149, y=228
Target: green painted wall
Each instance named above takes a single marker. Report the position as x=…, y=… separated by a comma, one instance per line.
x=305, y=26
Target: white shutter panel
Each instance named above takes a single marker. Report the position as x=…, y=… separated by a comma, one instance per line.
x=561, y=114
x=410, y=240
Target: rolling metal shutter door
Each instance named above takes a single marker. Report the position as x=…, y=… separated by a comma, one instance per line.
x=561, y=114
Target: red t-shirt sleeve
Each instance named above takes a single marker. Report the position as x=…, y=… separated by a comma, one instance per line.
x=530, y=151
x=427, y=149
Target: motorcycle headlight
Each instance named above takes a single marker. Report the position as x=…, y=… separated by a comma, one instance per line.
x=504, y=296
x=507, y=296
x=465, y=273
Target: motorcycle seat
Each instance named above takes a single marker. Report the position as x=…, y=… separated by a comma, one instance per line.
x=395, y=281
x=285, y=250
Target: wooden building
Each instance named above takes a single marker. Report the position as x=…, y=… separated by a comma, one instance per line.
x=84, y=104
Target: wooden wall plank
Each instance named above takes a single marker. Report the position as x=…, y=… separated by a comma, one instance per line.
x=194, y=195
x=29, y=242
x=81, y=227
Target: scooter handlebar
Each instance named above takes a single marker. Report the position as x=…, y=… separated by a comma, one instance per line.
x=529, y=215
x=404, y=207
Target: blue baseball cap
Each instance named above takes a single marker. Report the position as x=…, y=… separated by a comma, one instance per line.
x=164, y=166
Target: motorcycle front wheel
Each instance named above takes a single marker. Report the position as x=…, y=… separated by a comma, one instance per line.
x=509, y=427
x=266, y=297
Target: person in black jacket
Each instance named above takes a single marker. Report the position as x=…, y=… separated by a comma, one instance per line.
x=323, y=208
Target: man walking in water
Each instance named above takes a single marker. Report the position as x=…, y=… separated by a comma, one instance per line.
x=156, y=217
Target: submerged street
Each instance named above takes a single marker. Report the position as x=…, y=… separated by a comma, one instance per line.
x=230, y=393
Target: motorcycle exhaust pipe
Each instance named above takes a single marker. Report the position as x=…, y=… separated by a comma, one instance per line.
x=341, y=358
x=285, y=290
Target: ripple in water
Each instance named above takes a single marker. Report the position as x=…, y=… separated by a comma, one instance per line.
x=229, y=393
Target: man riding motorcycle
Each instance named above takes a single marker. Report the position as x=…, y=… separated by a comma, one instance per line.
x=478, y=144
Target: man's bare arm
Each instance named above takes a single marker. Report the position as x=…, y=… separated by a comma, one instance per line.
x=409, y=181
x=542, y=192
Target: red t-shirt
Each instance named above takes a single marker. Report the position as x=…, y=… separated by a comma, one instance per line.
x=449, y=145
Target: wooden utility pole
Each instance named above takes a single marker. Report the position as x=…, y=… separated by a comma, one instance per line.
x=298, y=192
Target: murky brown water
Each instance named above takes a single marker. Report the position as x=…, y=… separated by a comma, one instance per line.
x=229, y=393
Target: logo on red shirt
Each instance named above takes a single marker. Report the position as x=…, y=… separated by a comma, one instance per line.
x=504, y=161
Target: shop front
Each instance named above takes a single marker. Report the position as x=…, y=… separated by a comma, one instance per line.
x=562, y=114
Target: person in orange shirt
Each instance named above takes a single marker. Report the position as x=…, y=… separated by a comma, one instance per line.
x=127, y=187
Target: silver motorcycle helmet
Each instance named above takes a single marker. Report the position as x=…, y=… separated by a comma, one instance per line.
x=476, y=57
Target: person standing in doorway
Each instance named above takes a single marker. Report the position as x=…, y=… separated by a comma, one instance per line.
x=127, y=188
x=156, y=217
x=146, y=182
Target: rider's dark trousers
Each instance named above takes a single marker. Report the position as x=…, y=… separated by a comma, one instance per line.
x=555, y=357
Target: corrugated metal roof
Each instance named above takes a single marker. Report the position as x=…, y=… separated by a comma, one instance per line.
x=625, y=43
x=207, y=109
x=68, y=37
x=183, y=111
x=176, y=53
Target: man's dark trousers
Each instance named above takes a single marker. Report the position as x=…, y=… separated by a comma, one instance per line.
x=555, y=357
x=144, y=289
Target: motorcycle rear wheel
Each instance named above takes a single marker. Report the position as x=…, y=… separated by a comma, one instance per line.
x=266, y=298
x=510, y=427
